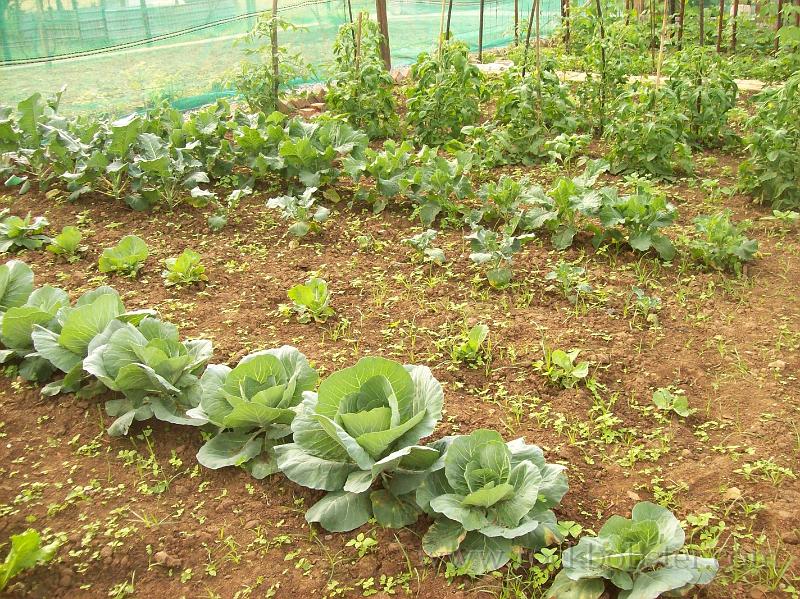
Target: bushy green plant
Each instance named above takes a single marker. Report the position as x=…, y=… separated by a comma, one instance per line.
x=772, y=171
x=440, y=184
x=423, y=243
x=639, y=557
x=362, y=428
x=360, y=87
x=571, y=280
x=445, y=94
x=125, y=258
x=22, y=233
x=471, y=348
x=560, y=367
x=490, y=501
x=67, y=243
x=721, y=243
x=26, y=552
x=185, y=269
x=495, y=253
x=157, y=373
x=302, y=209
x=311, y=300
x=252, y=407
x=391, y=170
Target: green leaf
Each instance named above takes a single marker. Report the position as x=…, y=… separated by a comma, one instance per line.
x=25, y=553
x=443, y=537
x=16, y=284
x=229, y=449
x=482, y=554
x=341, y=511
x=564, y=587
x=127, y=257
x=391, y=511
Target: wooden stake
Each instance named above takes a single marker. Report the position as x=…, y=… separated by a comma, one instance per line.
x=449, y=16
x=538, y=58
x=480, y=32
x=603, y=73
x=441, y=28
x=383, y=26
x=273, y=38
x=681, y=17
x=720, y=25
x=565, y=4
x=778, y=26
x=516, y=21
x=527, y=41
x=358, y=42
x=733, y=25
x=661, y=44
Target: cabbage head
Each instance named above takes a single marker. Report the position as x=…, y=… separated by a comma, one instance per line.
x=252, y=407
x=362, y=428
x=156, y=372
x=491, y=500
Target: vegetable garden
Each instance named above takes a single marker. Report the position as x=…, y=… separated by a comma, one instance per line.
x=527, y=332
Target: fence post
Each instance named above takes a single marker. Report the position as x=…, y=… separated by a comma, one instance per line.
x=480, y=32
x=733, y=25
x=516, y=22
x=720, y=25
x=383, y=25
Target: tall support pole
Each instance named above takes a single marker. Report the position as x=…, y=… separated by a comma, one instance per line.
x=449, y=17
x=720, y=24
x=702, y=19
x=681, y=17
x=480, y=31
x=273, y=39
x=528, y=40
x=661, y=44
x=778, y=26
x=441, y=28
x=516, y=22
x=603, y=69
x=734, y=17
x=383, y=25
x=539, y=56
x=565, y=21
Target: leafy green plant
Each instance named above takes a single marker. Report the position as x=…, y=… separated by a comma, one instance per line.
x=67, y=243
x=641, y=304
x=647, y=135
x=390, y=169
x=472, y=349
x=26, y=552
x=636, y=219
x=491, y=500
x=423, y=243
x=222, y=214
x=721, y=243
x=155, y=371
x=495, y=252
x=255, y=79
x=360, y=87
x=445, y=94
x=363, y=427
x=301, y=209
x=125, y=258
x=311, y=300
x=571, y=280
x=439, y=185
x=559, y=366
x=16, y=330
x=185, y=269
x=670, y=399
x=16, y=284
x=65, y=341
x=639, y=556
x=772, y=172
x=21, y=233
x=252, y=407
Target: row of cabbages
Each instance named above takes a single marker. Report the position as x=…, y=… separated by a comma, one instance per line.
x=357, y=437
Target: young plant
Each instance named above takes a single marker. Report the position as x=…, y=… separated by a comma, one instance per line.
x=67, y=244
x=311, y=300
x=185, y=269
x=125, y=258
x=157, y=373
x=423, y=243
x=363, y=427
x=301, y=209
x=222, y=214
x=560, y=367
x=472, y=348
x=670, y=399
x=26, y=552
x=572, y=281
x=21, y=233
x=490, y=501
x=391, y=170
x=721, y=243
x=495, y=253
x=252, y=407
x=641, y=304
x=639, y=557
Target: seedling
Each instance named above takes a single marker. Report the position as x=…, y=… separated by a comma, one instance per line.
x=21, y=233
x=310, y=301
x=185, y=269
x=671, y=399
x=472, y=350
x=67, y=244
x=423, y=243
x=125, y=258
x=560, y=367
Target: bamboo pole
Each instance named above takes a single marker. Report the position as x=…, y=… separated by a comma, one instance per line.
x=539, y=57
x=449, y=16
x=441, y=28
x=681, y=17
x=733, y=25
x=480, y=31
x=358, y=42
x=565, y=4
x=273, y=39
x=603, y=73
x=720, y=25
x=516, y=21
x=527, y=41
x=661, y=44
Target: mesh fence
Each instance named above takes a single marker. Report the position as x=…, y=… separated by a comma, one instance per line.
x=119, y=55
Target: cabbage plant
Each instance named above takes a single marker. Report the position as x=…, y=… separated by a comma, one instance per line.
x=156, y=372
x=125, y=258
x=490, y=500
x=252, y=406
x=22, y=233
x=361, y=428
x=65, y=341
x=16, y=330
x=639, y=556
